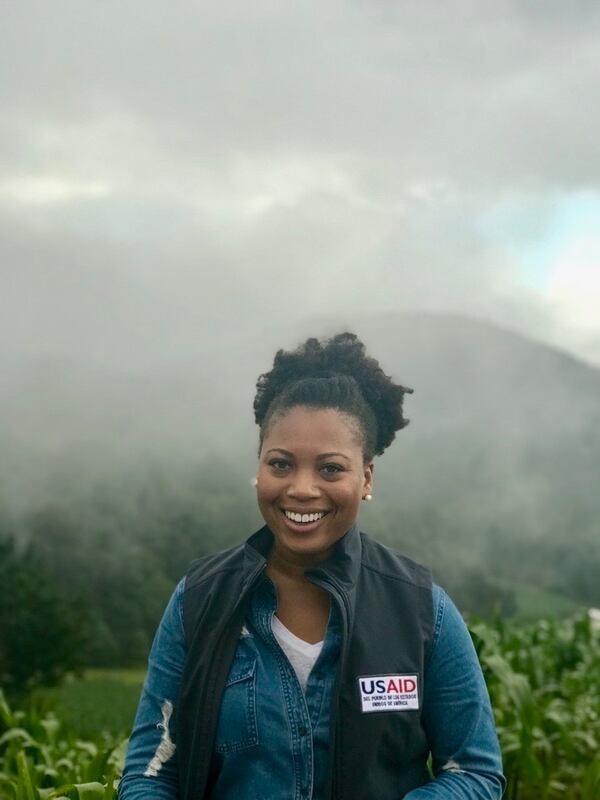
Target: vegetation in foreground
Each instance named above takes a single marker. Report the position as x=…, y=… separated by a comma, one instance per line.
x=102, y=700
x=544, y=680
x=41, y=759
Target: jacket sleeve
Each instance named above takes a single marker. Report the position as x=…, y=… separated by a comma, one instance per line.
x=457, y=715
x=151, y=761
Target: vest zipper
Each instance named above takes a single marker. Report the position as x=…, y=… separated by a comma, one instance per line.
x=343, y=604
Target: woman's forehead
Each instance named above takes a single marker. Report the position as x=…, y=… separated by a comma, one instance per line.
x=311, y=429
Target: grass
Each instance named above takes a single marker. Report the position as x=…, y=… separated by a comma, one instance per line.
x=102, y=700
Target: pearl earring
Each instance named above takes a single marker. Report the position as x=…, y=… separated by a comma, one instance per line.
x=254, y=482
x=368, y=497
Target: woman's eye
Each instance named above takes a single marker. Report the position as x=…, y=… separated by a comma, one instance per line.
x=331, y=469
x=278, y=463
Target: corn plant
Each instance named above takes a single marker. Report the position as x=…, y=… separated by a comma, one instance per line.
x=40, y=760
x=544, y=681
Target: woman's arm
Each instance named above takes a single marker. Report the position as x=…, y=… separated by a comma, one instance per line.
x=457, y=715
x=151, y=761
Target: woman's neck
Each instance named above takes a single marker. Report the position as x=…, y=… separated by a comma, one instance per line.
x=290, y=565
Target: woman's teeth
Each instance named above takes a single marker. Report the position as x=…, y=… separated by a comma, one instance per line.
x=304, y=517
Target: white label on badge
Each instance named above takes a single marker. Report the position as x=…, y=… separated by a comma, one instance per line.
x=389, y=693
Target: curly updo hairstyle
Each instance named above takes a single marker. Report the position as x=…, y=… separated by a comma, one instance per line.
x=335, y=373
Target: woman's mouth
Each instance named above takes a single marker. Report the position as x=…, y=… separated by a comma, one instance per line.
x=303, y=522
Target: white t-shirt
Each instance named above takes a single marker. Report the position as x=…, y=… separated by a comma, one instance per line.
x=300, y=654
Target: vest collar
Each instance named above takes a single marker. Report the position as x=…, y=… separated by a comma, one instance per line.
x=342, y=567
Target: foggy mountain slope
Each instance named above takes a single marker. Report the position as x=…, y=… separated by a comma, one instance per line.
x=497, y=472
x=503, y=443
x=464, y=372
x=500, y=425
x=477, y=372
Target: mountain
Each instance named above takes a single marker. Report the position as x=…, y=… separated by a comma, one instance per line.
x=498, y=470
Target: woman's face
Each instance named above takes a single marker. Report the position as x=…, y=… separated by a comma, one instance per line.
x=311, y=467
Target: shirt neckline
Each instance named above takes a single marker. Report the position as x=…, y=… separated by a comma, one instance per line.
x=306, y=646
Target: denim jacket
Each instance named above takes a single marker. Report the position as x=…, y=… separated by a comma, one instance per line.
x=272, y=739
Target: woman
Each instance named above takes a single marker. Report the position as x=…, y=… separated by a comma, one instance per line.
x=311, y=661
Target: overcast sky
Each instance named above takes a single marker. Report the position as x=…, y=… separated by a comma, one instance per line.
x=185, y=172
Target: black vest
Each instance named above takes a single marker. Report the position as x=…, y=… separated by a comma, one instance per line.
x=385, y=602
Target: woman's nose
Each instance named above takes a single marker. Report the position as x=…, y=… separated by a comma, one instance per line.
x=303, y=486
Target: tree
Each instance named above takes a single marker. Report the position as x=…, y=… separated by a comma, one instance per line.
x=42, y=629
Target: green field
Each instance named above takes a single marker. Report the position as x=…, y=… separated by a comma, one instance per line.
x=100, y=701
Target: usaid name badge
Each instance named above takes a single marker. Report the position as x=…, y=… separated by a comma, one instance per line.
x=389, y=693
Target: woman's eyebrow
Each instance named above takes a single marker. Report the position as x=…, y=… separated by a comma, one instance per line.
x=319, y=457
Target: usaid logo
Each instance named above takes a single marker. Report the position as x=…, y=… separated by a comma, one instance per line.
x=389, y=693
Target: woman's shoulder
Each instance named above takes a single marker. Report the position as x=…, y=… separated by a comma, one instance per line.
x=212, y=564
x=387, y=560
x=449, y=624
x=439, y=596
x=241, y=557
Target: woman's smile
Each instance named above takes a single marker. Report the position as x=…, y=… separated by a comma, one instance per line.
x=303, y=521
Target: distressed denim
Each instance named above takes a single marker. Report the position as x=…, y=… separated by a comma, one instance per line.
x=272, y=739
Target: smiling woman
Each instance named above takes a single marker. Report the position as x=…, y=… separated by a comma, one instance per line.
x=311, y=661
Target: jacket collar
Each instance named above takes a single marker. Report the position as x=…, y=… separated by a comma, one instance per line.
x=342, y=567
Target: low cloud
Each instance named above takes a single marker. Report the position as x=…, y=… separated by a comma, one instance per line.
x=176, y=177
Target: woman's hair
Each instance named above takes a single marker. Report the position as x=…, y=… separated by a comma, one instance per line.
x=335, y=373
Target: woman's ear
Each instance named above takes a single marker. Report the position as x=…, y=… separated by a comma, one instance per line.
x=368, y=478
